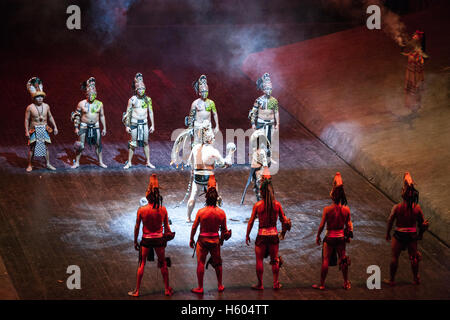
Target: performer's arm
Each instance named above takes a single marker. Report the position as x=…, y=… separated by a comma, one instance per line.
x=102, y=119
x=422, y=223
x=52, y=120
x=277, y=119
x=390, y=222
x=166, y=222
x=321, y=226
x=150, y=113
x=127, y=120
x=250, y=225
x=136, y=230
x=27, y=122
x=194, y=230
x=254, y=115
x=76, y=122
x=216, y=121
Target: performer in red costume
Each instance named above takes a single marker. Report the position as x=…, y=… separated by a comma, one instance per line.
x=153, y=217
x=339, y=231
x=408, y=216
x=267, y=211
x=211, y=219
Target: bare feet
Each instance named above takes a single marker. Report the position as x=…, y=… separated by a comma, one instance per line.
x=101, y=164
x=347, y=285
x=220, y=288
x=150, y=165
x=257, y=287
x=127, y=166
x=277, y=285
x=50, y=167
x=133, y=293
x=168, y=292
x=188, y=220
x=315, y=286
x=75, y=165
x=416, y=281
x=389, y=282
x=29, y=168
x=197, y=290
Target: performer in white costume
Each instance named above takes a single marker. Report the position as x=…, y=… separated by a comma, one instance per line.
x=135, y=120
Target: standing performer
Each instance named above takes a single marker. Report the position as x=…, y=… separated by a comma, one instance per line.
x=267, y=241
x=211, y=219
x=339, y=231
x=408, y=216
x=259, y=161
x=264, y=114
x=135, y=120
x=201, y=110
x=203, y=158
x=414, y=79
x=154, y=217
x=36, y=128
x=86, y=122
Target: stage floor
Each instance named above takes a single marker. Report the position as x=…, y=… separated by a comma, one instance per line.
x=85, y=217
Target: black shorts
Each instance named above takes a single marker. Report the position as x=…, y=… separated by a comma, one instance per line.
x=153, y=242
x=267, y=240
x=209, y=243
x=405, y=238
x=334, y=242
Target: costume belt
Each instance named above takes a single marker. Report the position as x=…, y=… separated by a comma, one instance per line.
x=271, y=231
x=209, y=234
x=152, y=235
x=266, y=122
x=89, y=125
x=203, y=172
x=335, y=233
x=411, y=229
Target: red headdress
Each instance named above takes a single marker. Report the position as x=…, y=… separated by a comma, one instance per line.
x=337, y=181
x=212, y=182
x=266, y=174
x=152, y=184
x=407, y=179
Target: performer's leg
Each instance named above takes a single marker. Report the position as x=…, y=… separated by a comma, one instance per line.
x=201, y=258
x=344, y=264
x=140, y=272
x=47, y=159
x=217, y=260
x=99, y=150
x=327, y=251
x=396, y=250
x=191, y=202
x=78, y=152
x=160, y=252
x=147, y=155
x=414, y=256
x=30, y=157
x=274, y=261
x=130, y=156
x=259, y=253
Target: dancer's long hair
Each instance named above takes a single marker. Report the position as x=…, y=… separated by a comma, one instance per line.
x=338, y=195
x=211, y=197
x=155, y=198
x=410, y=195
x=268, y=196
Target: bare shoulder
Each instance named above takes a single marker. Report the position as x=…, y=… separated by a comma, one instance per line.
x=29, y=107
